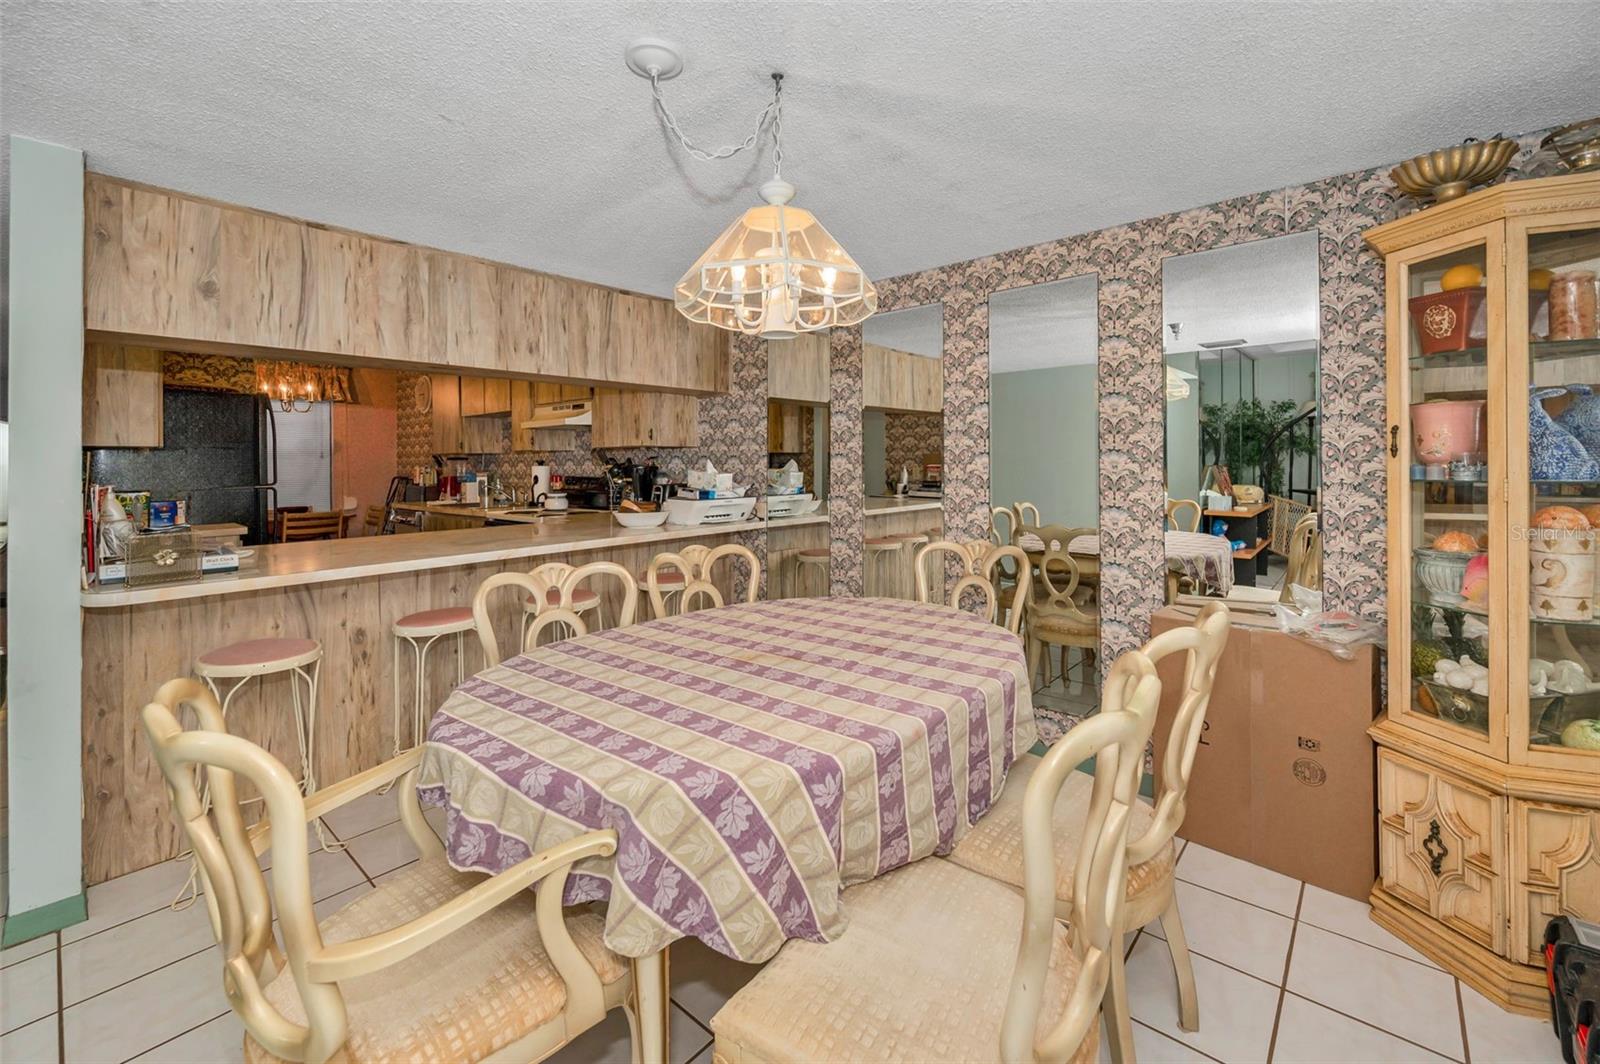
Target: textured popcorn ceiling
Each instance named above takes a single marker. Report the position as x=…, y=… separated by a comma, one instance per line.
x=921, y=132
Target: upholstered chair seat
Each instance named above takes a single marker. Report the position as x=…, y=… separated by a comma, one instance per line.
x=1048, y=624
x=462, y=998
x=880, y=993
x=993, y=847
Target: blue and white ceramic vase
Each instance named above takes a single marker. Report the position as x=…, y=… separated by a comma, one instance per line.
x=1582, y=418
x=1554, y=453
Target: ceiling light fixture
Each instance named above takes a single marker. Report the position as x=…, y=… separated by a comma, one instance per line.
x=775, y=272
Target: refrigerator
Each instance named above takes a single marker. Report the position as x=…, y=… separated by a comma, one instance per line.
x=219, y=453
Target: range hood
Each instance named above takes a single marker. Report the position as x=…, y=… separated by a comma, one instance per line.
x=561, y=415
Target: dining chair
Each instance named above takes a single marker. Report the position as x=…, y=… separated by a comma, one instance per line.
x=373, y=525
x=931, y=967
x=1059, y=612
x=1026, y=513
x=695, y=562
x=552, y=573
x=430, y=964
x=1305, y=558
x=995, y=847
x=1175, y=506
x=558, y=592
x=1002, y=515
x=313, y=524
x=979, y=563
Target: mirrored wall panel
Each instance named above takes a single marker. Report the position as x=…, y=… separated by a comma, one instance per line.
x=1243, y=439
x=902, y=442
x=1044, y=459
x=798, y=390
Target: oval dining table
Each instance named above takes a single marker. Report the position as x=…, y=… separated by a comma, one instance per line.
x=754, y=760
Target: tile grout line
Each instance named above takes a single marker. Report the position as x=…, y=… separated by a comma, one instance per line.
x=1176, y=1042
x=61, y=1009
x=1241, y=901
x=696, y=1021
x=179, y=1035
x=136, y=978
x=1283, y=986
x=1461, y=1011
x=1373, y=1026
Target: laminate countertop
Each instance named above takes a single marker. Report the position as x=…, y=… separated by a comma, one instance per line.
x=324, y=561
x=884, y=504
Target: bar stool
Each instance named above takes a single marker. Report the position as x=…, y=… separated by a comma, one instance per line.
x=806, y=557
x=912, y=541
x=671, y=582
x=877, y=548
x=254, y=659
x=420, y=631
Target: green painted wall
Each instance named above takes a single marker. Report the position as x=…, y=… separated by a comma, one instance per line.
x=1044, y=442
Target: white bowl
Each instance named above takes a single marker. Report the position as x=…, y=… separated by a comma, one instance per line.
x=632, y=520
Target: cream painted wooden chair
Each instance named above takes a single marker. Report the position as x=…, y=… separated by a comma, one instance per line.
x=995, y=846
x=1002, y=515
x=1305, y=557
x=1177, y=506
x=551, y=574
x=979, y=563
x=931, y=967
x=556, y=587
x=1026, y=513
x=431, y=964
x=1059, y=613
x=695, y=562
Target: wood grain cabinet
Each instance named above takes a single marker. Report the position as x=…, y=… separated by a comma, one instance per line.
x=1441, y=847
x=485, y=396
x=799, y=369
x=165, y=269
x=122, y=396
x=785, y=427
x=900, y=380
x=445, y=414
x=644, y=419
x=1555, y=871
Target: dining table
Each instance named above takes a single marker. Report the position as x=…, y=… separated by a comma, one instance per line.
x=1205, y=559
x=753, y=759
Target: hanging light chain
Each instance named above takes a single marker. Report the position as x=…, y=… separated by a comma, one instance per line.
x=773, y=112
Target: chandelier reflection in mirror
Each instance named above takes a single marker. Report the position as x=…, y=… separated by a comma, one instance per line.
x=775, y=272
x=294, y=386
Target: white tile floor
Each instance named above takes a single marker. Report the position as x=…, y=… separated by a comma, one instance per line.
x=1286, y=972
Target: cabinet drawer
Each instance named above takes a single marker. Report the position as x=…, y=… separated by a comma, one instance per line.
x=1555, y=871
x=1441, y=847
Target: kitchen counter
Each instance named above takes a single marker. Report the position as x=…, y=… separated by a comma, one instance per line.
x=885, y=504
x=518, y=514
x=324, y=561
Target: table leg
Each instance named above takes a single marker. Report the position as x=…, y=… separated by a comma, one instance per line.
x=651, y=988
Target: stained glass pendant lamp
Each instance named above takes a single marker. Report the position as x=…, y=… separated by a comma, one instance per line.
x=775, y=272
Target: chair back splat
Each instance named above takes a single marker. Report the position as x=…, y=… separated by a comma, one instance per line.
x=695, y=562
x=551, y=588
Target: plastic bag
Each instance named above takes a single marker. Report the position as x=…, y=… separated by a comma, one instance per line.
x=1337, y=631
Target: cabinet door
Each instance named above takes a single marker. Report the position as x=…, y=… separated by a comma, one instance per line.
x=472, y=404
x=1441, y=847
x=446, y=413
x=122, y=396
x=798, y=369
x=1447, y=489
x=644, y=419
x=1556, y=871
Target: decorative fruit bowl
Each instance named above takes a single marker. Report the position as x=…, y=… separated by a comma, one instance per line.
x=1448, y=173
x=1441, y=572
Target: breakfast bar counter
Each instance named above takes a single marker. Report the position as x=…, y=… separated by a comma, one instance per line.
x=346, y=595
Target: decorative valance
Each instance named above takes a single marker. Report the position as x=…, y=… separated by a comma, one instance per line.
x=296, y=381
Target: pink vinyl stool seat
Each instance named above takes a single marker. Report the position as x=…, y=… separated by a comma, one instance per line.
x=256, y=657
x=671, y=582
x=420, y=631
x=583, y=600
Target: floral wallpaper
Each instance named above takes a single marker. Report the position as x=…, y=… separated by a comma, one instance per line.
x=908, y=440
x=1127, y=261
x=846, y=491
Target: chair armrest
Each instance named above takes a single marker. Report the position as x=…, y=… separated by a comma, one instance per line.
x=342, y=793
x=362, y=956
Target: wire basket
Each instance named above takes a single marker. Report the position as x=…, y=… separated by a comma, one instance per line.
x=163, y=558
x=1286, y=513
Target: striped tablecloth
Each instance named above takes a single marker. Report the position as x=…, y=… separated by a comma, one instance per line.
x=1204, y=558
x=754, y=760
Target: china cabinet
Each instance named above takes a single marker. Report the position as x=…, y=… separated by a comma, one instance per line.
x=1489, y=750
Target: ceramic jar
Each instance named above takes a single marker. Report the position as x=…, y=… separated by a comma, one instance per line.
x=1573, y=299
x=1446, y=430
x=1561, y=574
x=1554, y=453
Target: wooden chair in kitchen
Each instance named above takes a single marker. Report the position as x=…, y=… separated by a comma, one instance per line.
x=373, y=525
x=941, y=963
x=556, y=587
x=1026, y=513
x=1002, y=516
x=583, y=599
x=1177, y=506
x=695, y=562
x=1305, y=557
x=363, y=982
x=996, y=846
x=978, y=563
x=313, y=524
x=1059, y=611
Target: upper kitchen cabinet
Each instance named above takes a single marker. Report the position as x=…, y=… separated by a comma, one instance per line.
x=798, y=369
x=644, y=419
x=485, y=396
x=122, y=397
x=183, y=273
x=900, y=380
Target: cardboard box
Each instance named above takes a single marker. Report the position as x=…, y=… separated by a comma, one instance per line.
x=1284, y=776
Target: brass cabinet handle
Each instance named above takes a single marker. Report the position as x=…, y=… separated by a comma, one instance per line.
x=1394, y=441
x=1434, y=846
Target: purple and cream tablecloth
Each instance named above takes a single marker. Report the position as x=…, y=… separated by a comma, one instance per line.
x=754, y=760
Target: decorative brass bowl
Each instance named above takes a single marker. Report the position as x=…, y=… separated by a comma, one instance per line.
x=1578, y=145
x=1448, y=173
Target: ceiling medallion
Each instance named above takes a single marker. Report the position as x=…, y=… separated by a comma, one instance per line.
x=775, y=272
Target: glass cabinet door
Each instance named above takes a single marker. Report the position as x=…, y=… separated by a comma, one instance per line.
x=1553, y=391
x=1446, y=304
